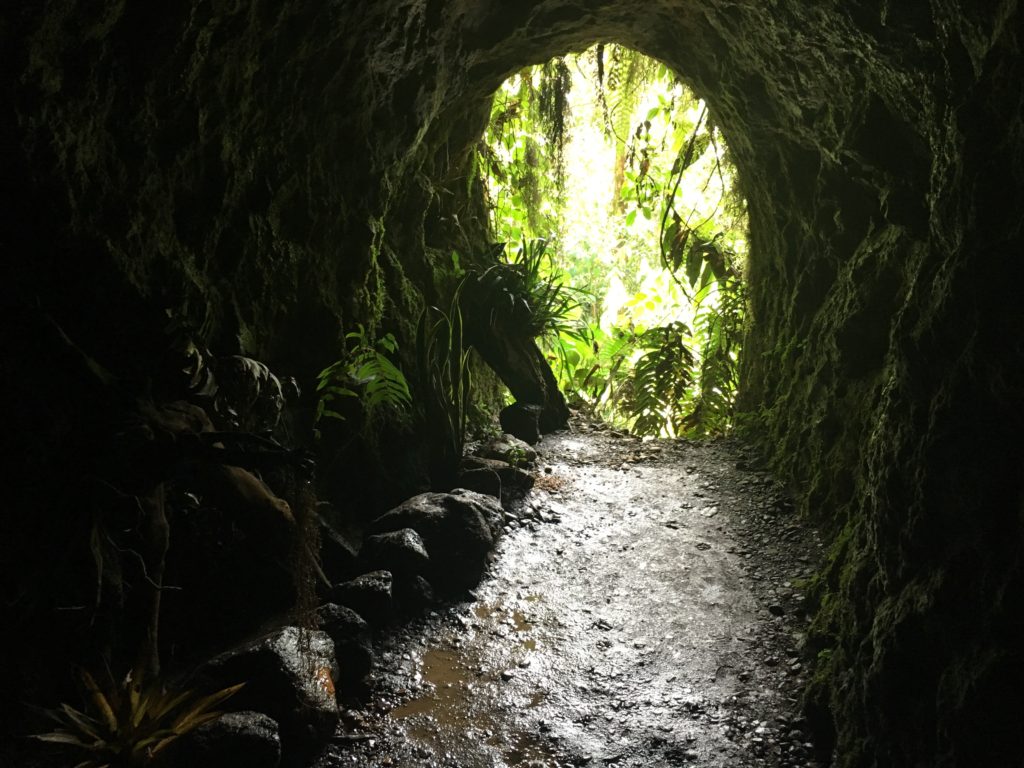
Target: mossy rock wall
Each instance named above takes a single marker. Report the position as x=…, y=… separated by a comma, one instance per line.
x=268, y=171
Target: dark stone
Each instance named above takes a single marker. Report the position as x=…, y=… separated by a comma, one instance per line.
x=481, y=480
x=507, y=448
x=522, y=420
x=338, y=558
x=369, y=595
x=246, y=738
x=413, y=595
x=401, y=552
x=458, y=528
x=289, y=675
x=512, y=477
x=353, y=646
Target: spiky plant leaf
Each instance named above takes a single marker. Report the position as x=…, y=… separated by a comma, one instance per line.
x=135, y=721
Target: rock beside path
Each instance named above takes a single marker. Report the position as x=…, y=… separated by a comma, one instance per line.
x=250, y=739
x=289, y=676
x=458, y=529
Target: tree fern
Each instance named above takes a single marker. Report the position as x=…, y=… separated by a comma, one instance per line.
x=661, y=380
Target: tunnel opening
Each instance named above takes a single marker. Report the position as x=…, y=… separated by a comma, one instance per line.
x=615, y=194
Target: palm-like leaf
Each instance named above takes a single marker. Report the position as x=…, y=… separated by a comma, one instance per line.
x=133, y=723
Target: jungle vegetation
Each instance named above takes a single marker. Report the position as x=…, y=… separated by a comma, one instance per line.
x=613, y=190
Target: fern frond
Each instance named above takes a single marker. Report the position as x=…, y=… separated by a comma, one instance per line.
x=660, y=380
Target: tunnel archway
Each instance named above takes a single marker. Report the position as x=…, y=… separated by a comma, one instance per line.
x=264, y=172
x=614, y=194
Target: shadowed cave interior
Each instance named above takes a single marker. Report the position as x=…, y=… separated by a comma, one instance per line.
x=189, y=182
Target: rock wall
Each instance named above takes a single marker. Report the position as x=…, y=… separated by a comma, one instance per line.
x=266, y=171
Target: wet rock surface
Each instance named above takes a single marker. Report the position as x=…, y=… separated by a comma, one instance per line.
x=400, y=551
x=236, y=738
x=457, y=528
x=370, y=595
x=352, y=641
x=506, y=448
x=289, y=676
x=644, y=609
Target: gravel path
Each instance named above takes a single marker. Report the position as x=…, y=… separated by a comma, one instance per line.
x=644, y=609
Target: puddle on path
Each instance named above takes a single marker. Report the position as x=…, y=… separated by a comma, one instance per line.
x=611, y=637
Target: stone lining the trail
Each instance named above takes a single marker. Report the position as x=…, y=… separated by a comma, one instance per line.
x=459, y=530
x=289, y=675
x=249, y=739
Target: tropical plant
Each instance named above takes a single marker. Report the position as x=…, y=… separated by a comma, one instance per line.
x=521, y=155
x=642, y=311
x=660, y=381
x=367, y=374
x=444, y=386
x=720, y=326
x=590, y=366
x=131, y=724
x=525, y=294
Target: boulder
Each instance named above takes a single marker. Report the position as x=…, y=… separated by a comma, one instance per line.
x=512, y=477
x=459, y=530
x=369, y=595
x=522, y=420
x=338, y=558
x=507, y=448
x=289, y=676
x=413, y=595
x=352, y=638
x=482, y=480
x=246, y=738
x=401, y=552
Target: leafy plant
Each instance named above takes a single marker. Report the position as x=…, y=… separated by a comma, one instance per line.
x=516, y=457
x=367, y=374
x=526, y=294
x=661, y=380
x=444, y=386
x=596, y=369
x=640, y=311
x=720, y=326
x=132, y=724
x=521, y=154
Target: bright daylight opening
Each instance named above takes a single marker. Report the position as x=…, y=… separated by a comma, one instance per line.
x=614, y=191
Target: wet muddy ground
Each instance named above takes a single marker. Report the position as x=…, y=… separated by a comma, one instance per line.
x=644, y=609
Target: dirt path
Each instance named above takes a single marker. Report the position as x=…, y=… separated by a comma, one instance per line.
x=644, y=611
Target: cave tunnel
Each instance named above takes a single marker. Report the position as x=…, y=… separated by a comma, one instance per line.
x=266, y=174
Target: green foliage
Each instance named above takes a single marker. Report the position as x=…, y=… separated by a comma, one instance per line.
x=521, y=154
x=640, y=308
x=720, y=328
x=444, y=388
x=660, y=380
x=130, y=725
x=592, y=365
x=366, y=374
x=526, y=294
x=516, y=457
